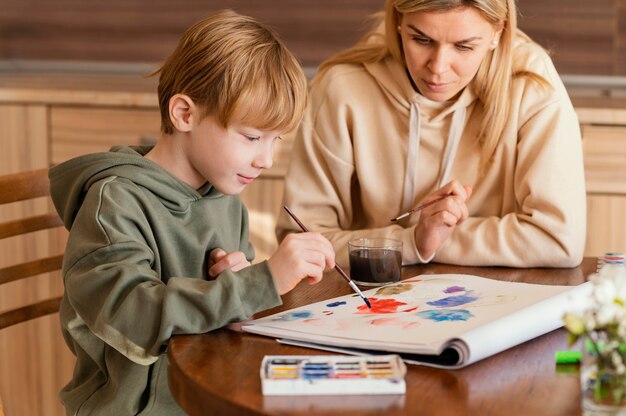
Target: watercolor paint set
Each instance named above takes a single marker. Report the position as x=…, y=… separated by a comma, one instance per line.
x=332, y=375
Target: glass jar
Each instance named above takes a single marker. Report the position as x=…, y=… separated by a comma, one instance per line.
x=603, y=387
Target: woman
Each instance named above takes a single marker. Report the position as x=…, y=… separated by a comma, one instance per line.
x=444, y=100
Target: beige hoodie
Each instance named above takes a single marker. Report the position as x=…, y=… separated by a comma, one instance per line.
x=370, y=148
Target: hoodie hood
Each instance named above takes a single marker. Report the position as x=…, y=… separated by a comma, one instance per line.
x=393, y=78
x=70, y=181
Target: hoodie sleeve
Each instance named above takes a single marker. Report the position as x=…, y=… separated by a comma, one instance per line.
x=115, y=283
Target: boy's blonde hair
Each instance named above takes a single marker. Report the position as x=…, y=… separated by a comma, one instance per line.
x=235, y=70
x=493, y=81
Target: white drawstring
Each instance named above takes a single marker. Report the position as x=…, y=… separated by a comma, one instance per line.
x=454, y=137
x=410, y=180
x=452, y=144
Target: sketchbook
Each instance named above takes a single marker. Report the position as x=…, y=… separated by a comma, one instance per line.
x=446, y=321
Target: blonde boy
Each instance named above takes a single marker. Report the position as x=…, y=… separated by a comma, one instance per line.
x=158, y=240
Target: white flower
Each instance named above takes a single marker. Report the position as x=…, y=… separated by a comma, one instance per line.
x=619, y=281
x=589, y=320
x=607, y=314
x=603, y=320
x=617, y=362
x=575, y=324
x=604, y=291
x=615, y=358
x=621, y=328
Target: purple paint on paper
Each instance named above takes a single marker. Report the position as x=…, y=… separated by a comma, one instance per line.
x=453, y=289
x=292, y=316
x=335, y=304
x=451, y=301
x=446, y=315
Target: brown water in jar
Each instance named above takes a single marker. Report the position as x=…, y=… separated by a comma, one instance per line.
x=375, y=266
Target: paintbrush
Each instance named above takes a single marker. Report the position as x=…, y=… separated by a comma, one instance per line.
x=417, y=208
x=337, y=267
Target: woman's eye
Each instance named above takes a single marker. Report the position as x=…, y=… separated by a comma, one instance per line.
x=421, y=41
x=464, y=48
x=252, y=138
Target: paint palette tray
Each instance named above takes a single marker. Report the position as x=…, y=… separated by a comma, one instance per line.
x=332, y=375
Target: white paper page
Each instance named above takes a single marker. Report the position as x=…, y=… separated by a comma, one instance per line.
x=523, y=325
x=417, y=315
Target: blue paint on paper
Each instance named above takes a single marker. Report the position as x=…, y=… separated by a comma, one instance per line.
x=446, y=315
x=452, y=301
x=453, y=289
x=293, y=316
x=335, y=304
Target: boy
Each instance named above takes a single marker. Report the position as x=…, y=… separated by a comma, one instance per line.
x=158, y=241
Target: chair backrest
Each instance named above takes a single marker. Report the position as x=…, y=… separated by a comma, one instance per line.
x=22, y=187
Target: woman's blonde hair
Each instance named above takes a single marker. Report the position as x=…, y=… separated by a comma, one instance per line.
x=236, y=70
x=492, y=82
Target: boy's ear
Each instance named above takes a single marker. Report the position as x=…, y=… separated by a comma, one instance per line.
x=182, y=110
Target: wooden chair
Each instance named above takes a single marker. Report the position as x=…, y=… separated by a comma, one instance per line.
x=21, y=187
x=24, y=187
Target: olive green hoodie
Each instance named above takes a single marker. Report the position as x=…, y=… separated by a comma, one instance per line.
x=135, y=274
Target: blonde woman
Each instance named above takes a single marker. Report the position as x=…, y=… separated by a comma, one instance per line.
x=444, y=100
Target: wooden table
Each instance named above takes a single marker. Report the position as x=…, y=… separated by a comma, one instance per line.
x=218, y=372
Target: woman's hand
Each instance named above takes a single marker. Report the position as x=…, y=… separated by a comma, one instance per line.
x=437, y=221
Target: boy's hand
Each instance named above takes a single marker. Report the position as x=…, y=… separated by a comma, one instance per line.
x=438, y=220
x=219, y=261
x=300, y=256
x=237, y=326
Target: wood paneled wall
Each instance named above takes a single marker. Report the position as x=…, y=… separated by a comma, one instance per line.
x=148, y=30
x=585, y=36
